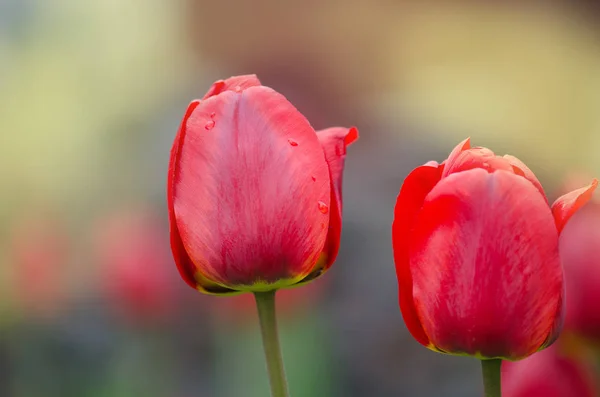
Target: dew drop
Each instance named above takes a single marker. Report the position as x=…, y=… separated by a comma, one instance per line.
x=313, y=178
x=323, y=226
x=212, y=115
x=209, y=125
x=292, y=142
x=323, y=207
x=486, y=164
x=238, y=88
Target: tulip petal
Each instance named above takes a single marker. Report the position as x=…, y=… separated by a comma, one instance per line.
x=415, y=188
x=521, y=169
x=477, y=157
x=565, y=206
x=550, y=373
x=248, y=213
x=334, y=141
x=487, y=279
x=235, y=83
x=185, y=266
x=458, y=149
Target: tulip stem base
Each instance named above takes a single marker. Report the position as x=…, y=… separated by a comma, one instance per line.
x=491, y=377
x=265, y=303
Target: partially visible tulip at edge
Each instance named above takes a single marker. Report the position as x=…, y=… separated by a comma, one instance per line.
x=550, y=373
x=476, y=247
x=254, y=193
x=580, y=254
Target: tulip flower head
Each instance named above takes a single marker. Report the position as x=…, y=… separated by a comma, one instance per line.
x=549, y=374
x=41, y=268
x=580, y=254
x=254, y=193
x=132, y=253
x=476, y=251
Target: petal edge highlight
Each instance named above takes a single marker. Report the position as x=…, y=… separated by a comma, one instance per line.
x=412, y=195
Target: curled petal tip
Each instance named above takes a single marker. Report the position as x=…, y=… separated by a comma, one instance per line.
x=352, y=136
x=566, y=205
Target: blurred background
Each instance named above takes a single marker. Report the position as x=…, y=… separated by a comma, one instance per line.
x=91, y=96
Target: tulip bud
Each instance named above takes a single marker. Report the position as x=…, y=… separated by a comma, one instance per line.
x=254, y=193
x=476, y=252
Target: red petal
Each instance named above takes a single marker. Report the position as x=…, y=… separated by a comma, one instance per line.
x=235, y=83
x=246, y=207
x=521, y=169
x=458, y=149
x=548, y=374
x=580, y=254
x=410, y=200
x=184, y=264
x=186, y=267
x=334, y=141
x=487, y=279
x=565, y=206
x=477, y=157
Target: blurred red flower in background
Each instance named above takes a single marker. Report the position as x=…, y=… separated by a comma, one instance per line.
x=254, y=193
x=476, y=252
x=39, y=250
x=548, y=374
x=133, y=252
x=580, y=255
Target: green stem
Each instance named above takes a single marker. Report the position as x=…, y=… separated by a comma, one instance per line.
x=265, y=303
x=491, y=377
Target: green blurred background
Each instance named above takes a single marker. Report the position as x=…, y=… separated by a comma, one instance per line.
x=91, y=95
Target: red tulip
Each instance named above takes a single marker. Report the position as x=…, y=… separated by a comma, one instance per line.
x=476, y=253
x=132, y=253
x=580, y=254
x=548, y=374
x=254, y=193
x=40, y=251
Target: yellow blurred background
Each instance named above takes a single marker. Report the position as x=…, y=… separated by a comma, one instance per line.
x=91, y=95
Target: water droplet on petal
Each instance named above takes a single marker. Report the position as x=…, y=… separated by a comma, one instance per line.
x=486, y=165
x=323, y=207
x=292, y=142
x=209, y=125
x=323, y=226
x=212, y=115
x=313, y=178
x=238, y=88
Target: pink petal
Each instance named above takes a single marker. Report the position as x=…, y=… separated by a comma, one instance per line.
x=477, y=157
x=521, y=169
x=334, y=142
x=185, y=266
x=235, y=83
